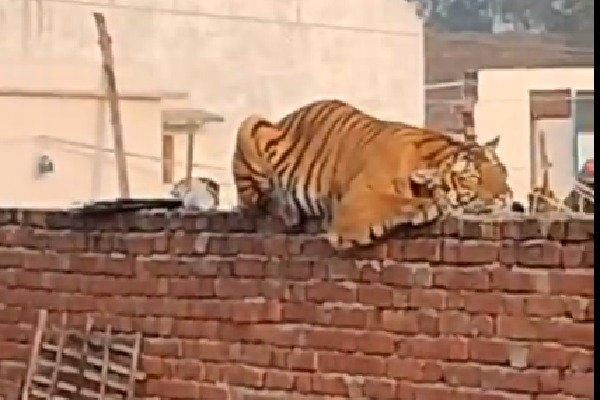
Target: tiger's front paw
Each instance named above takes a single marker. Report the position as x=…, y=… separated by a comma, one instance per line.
x=342, y=241
x=425, y=212
x=413, y=212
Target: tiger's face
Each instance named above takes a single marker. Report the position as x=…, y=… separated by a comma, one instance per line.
x=476, y=181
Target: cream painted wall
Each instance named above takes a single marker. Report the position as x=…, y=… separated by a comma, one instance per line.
x=237, y=57
x=503, y=109
x=33, y=126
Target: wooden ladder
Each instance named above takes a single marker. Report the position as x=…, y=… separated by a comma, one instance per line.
x=67, y=364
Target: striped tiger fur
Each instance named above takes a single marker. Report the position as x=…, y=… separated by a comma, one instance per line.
x=361, y=175
x=202, y=194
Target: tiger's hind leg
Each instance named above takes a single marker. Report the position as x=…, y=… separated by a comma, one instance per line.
x=281, y=208
x=364, y=215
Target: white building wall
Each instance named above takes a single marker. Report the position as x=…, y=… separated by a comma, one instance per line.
x=237, y=57
x=503, y=109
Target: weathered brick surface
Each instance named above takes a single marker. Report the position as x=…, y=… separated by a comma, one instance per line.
x=477, y=310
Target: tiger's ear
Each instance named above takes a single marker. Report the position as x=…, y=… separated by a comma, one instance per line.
x=492, y=144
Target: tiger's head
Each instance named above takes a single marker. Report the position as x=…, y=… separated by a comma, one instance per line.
x=473, y=180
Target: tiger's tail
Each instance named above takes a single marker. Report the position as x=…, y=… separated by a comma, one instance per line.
x=252, y=172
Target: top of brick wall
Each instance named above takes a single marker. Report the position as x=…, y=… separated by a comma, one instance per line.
x=203, y=233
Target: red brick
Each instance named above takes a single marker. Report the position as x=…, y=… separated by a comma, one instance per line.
x=399, y=275
x=299, y=312
x=517, y=327
x=457, y=279
x=549, y=381
x=399, y=321
x=190, y=287
x=422, y=250
x=301, y=270
x=330, y=385
x=547, y=356
x=581, y=360
x=511, y=380
x=244, y=376
x=577, y=284
x=162, y=347
x=569, y=333
x=331, y=339
x=539, y=253
x=356, y=364
x=273, y=289
x=427, y=298
x=275, y=335
x=210, y=392
x=10, y=390
x=518, y=281
x=380, y=388
x=405, y=368
x=11, y=257
x=173, y=389
x=462, y=375
x=302, y=360
x=253, y=354
x=205, y=350
x=445, y=348
x=256, y=311
x=343, y=269
x=488, y=351
x=455, y=323
x=514, y=305
x=544, y=306
x=236, y=288
x=428, y=322
x=478, y=252
x=588, y=257
x=279, y=380
x=153, y=366
x=346, y=317
x=487, y=303
x=184, y=369
x=15, y=332
x=13, y=371
x=578, y=384
x=14, y=351
x=249, y=266
x=572, y=255
x=439, y=392
x=376, y=295
x=331, y=292
x=483, y=326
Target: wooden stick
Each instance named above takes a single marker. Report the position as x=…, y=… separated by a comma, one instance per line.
x=105, y=362
x=35, y=350
x=89, y=324
x=544, y=163
x=190, y=157
x=59, y=355
x=469, y=98
x=134, y=365
x=104, y=42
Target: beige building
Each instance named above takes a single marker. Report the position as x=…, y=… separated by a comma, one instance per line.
x=518, y=104
x=232, y=58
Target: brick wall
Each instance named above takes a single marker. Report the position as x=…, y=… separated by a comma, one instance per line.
x=459, y=310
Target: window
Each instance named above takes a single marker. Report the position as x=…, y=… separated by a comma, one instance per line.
x=168, y=158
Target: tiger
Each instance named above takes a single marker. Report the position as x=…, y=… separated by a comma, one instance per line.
x=362, y=176
x=202, y=194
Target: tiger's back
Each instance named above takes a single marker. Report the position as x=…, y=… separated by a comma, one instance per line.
x=313, y=157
